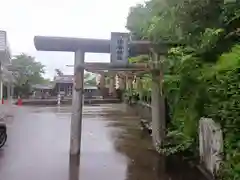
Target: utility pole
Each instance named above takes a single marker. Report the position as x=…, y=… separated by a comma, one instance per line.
x=77, y=105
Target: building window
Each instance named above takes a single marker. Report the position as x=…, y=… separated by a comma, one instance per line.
x=70, y=90
x=61, y=88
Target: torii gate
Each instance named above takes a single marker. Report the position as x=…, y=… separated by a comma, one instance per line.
x=119, y=62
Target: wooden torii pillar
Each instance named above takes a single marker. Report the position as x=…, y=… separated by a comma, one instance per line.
x=102, y=81
x=157, y=54
x=121, y=79
x=79, y=46
x=112, y=84
x=129, y=81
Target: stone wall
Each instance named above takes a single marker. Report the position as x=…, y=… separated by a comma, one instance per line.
x=210, y=145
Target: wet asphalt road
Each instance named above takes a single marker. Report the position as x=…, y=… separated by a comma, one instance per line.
x=113, y=148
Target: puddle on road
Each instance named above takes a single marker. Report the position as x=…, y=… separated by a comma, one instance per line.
x=143, y=161
x=113, y=148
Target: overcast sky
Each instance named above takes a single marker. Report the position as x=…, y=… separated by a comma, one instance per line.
x=72, y=18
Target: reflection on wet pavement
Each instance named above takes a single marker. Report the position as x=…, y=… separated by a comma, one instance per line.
x=113, y=147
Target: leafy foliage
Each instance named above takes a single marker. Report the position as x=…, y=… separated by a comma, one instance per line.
x=89, y=79
x=201, y=77
x=29, y=72
x=59, y=72
x=223, y=106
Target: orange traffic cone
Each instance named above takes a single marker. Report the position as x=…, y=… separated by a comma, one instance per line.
x=19, y=102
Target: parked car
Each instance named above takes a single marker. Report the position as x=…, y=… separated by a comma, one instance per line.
x=3, y=134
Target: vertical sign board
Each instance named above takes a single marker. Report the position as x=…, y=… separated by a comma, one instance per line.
x=119, y=48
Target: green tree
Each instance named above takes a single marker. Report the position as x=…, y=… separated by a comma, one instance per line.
x=201, y=74
x=29, y=72
x=89, y=79
x=59, y=72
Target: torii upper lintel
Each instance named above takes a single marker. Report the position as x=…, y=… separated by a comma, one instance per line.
x=67, y=44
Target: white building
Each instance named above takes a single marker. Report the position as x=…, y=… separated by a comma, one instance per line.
x=6, y=77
